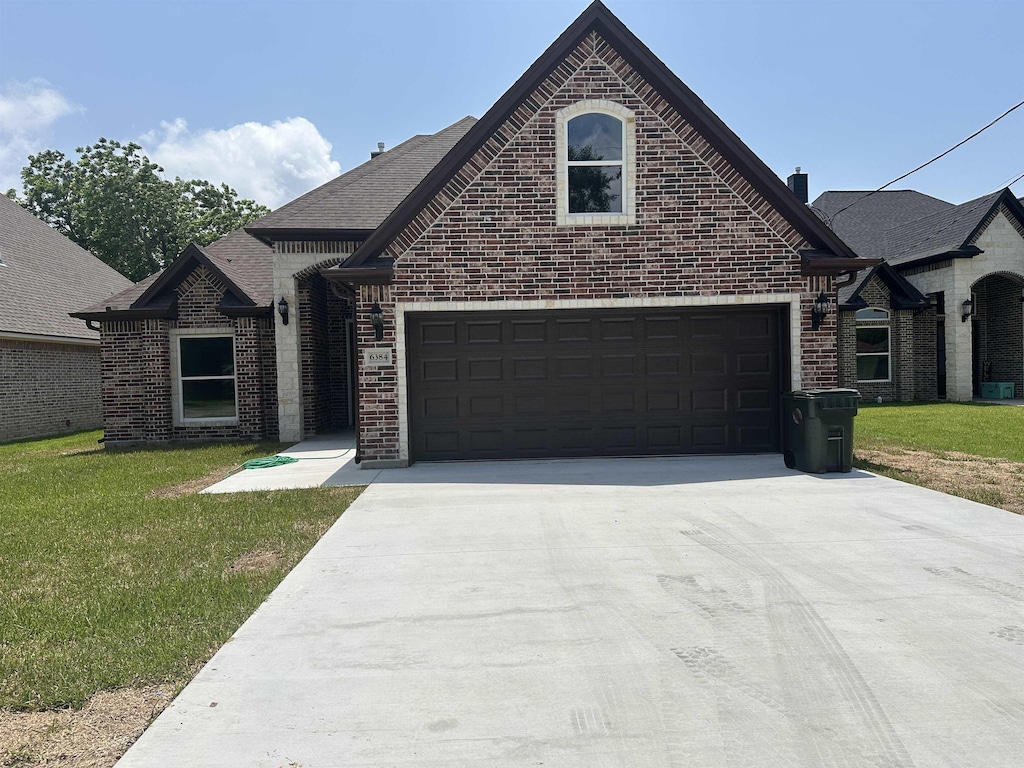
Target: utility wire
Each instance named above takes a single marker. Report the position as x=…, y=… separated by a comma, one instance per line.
x=1010, y=183
x=937, y=157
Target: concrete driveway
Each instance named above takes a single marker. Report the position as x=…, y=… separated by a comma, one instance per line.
x=640, y=612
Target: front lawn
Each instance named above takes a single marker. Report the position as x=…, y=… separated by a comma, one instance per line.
x=972, y=450
x=980, y=429
x=116, y=573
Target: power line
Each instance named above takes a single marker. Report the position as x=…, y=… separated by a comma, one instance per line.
x=1009, y=183
x=937, y=157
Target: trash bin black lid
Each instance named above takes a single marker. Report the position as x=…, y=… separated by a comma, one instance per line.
x=823, y=392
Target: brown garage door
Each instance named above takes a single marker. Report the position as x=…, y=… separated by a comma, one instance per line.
x=486, y=385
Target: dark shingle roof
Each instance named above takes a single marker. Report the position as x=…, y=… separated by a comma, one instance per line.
x=864, y=226
x=45, y=276
x=245, y=260
x=363, y=197
x=904, y=226
x=941, y=232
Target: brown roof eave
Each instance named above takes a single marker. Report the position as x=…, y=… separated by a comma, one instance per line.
x=598, y=18
x=114, y=315
x=814, y=263
x=358, y=276
x=305, y=234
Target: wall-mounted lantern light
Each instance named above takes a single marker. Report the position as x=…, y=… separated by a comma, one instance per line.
x=966, y=310
x=377, y=321
x=282, y=310
x=819, y=311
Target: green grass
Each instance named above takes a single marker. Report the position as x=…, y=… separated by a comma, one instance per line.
x=103, y=585
x=994, y=431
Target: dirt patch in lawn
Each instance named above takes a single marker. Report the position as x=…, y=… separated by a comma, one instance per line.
x=92, y=737
x=996, y=482
x=256, y=561
x=188, y=487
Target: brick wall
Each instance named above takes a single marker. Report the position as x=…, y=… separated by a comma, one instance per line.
x=999, y=323
x=137, y=371
x=491, y=234
x=48, y=388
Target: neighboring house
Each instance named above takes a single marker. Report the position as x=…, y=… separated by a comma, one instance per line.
x=941, y=316
x=598, y=266
x=49, y=363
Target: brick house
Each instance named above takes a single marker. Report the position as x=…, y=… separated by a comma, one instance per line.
x=941, y=316
x=597, y=266
x=49, y=363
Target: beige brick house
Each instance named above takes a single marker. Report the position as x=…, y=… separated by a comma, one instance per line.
x=941, y=317
x=49, y=363
x=597, y=266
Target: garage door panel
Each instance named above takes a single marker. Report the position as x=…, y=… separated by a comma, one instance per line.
x=754, y=362
x=618, y=365
x=708, y=400
x=478, y=332
x=709, y=438
x=532, y=331
x=440, y=370
x=592, y=382
x=754, y=325
x=664, y=364
x=432, y=333
x=753, y=399
x=573, y=330
x=705, y=362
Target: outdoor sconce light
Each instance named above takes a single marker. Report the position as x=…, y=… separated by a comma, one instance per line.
x=819, y=311
x=282, y=309
x=966, y=310
x=377, y=321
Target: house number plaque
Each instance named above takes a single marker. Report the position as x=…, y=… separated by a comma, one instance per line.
x=376, y=357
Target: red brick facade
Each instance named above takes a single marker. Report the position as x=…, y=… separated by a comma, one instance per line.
x=48, y=388
x=137, y=371
x=491, y=235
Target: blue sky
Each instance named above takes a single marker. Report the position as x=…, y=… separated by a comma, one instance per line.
x=275, y=98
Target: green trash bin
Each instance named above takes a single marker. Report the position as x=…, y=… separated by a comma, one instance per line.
x=817, y=433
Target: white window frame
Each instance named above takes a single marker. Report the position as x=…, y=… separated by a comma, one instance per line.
x=875, y=323
x=177, y=390
x=562, y=118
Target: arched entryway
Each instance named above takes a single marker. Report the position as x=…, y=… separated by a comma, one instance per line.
x=998, y=331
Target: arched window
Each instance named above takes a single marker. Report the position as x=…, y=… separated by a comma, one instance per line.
x=873, y=348
x=596, y=147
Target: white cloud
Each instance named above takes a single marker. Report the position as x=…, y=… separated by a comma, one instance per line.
x=28, y=111
x=271, y=164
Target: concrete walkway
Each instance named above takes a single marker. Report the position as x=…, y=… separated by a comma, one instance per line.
x=628, y=612
x=322, y=460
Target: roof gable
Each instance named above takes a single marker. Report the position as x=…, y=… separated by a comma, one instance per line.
x=244, y=262
x=46, y=276
x=517, y=104
x=157, y=294
x=902, y=294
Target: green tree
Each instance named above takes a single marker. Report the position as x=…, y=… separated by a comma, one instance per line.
x=114, y=202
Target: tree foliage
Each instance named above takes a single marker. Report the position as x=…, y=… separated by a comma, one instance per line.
x=114, y=202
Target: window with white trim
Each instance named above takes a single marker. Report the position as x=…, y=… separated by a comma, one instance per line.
x=206, y=378
x=873, y=345
x=596, y=148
